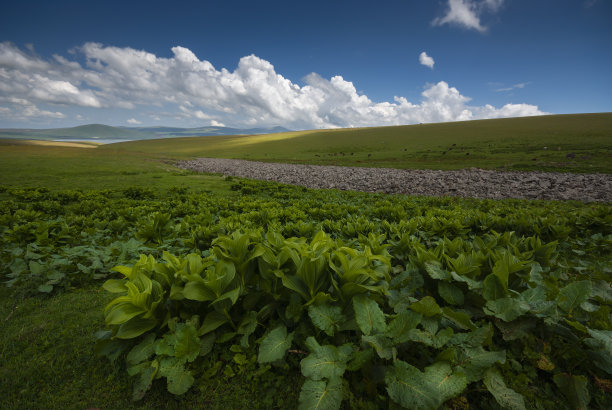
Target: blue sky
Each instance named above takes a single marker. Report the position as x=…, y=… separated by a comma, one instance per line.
x=315, y=64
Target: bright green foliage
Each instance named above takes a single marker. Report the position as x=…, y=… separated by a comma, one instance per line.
x=340, y=286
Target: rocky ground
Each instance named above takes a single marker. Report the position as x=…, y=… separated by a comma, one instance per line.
x=475, y=183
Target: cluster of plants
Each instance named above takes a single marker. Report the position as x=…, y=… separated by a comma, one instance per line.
x=377, y=300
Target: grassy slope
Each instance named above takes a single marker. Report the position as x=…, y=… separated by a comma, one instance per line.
x=57, y=167
x=512, y=144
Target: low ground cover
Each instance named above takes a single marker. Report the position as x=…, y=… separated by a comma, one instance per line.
x=491, y=303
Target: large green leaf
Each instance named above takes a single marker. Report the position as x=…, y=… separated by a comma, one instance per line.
x=408, y=387
x=212, y=321
x=427, y=306
x=187, y=345
x=325, y=317
x=321, y=395
x=476, y=360
x=601, y=344
x=507, y=309
x=575, y=389
x=435, y=270
x=143, y=350
x=325, y=361
x=382, y=344
x=452, y=294
x=144, y=381
x=572, y=295
x=493, y=288
x=505, y=396
x=370, y=318
x=448, y=384
x=135, y=327
x=179, y=379
x=400, y=326
x=199, y=291
x=274, y=345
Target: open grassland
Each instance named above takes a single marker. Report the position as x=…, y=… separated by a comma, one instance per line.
x=27, y=164
x=477, y=303
x=571, y=143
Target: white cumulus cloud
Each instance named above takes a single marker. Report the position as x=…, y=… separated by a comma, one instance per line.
x=426, y=60
x=184, y=87
x=134, y=121
x=467, y=13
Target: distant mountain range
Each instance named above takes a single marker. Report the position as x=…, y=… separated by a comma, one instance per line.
x=107, y=132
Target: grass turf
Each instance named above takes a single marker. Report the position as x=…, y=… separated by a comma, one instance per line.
x=570, y=143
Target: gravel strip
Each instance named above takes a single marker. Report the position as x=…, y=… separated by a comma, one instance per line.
x=474, y=183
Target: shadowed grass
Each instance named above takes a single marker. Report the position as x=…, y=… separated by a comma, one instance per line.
x=47, y=361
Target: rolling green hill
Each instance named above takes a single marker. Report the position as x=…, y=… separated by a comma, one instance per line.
x=577, y=143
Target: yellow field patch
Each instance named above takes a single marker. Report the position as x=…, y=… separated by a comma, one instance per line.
x=76, y=144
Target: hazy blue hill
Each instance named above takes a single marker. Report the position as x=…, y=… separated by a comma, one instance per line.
x=107, y=132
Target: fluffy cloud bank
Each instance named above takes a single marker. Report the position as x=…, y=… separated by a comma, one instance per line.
x=254, y=94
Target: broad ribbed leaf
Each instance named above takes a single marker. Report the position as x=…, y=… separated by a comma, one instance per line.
x=325, y=317
x=450, y=293
x=400, y=326
x=123, y=312
x=144, y=381
x=448, y=384
x=382, y=344
x=427, y=306
x=601, y=344
x=212, y=321
x=115, y=286
x=575, y=389
x=326, y=361
x=460, y=319
x=505, y=396
x=187, y=344
x=368, y=315
x=198, y=291
x=143, y=350
x=274, y=345
x=475, y=361
x=408, y=387
x=135, y=328
x=179, y=379
x=507, y=309
x=572, y=295
x=434, y=269
x=321, y=395
x=493, y=288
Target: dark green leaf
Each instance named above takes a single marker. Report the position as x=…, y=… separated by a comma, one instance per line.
x=505, y=396
x=368, y=315
x=575, y=389
x=327, y=318
x=321, y=395
x=274, y=345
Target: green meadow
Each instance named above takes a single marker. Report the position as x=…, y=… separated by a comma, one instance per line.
x=565, y=143
x=68, y=214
